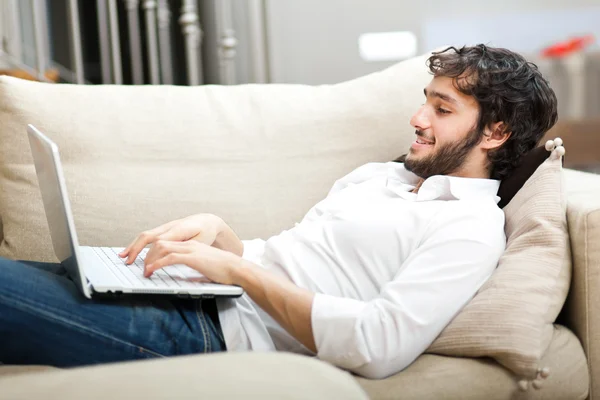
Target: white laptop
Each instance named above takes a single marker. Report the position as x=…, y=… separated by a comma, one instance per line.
x=98, y=271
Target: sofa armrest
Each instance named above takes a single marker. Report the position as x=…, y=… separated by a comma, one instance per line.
x=582, y=308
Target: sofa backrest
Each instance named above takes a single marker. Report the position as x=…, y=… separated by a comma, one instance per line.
x=134, y=157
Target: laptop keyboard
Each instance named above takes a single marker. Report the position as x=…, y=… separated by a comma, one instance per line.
x=172, y=276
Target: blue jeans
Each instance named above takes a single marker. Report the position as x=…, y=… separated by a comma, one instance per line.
x=44, y=319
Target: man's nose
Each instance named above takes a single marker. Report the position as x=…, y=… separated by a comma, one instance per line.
x=420, y=120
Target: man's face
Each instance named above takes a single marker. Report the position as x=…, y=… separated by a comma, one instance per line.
x=446, y=131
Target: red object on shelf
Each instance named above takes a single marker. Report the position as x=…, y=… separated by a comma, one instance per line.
x=567, y=47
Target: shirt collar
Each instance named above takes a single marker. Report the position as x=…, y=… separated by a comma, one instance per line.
x=439, y=187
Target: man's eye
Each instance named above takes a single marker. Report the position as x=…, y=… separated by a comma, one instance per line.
x=443, y=111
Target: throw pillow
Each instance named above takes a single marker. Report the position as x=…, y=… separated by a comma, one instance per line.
x=511, y=317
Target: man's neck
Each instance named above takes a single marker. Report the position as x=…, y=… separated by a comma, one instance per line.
x=478, y=176
x=416, y=189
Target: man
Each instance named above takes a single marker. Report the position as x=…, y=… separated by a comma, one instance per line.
x=369, y=277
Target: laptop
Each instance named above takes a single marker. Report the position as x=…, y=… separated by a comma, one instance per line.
x=99, y=271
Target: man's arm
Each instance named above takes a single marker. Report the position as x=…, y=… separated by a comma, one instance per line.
x=374, y=337
x=381, y=336
x=287, y=303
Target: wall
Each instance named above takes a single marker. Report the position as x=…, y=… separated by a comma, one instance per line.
x=315, y=41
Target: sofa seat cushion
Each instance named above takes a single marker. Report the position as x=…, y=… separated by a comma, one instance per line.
x=430, y=377
x=441, y=377
x=211, y=376
x=23, y=369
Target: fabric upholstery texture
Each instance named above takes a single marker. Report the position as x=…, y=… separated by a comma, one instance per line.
x=207, y=376
x=511, y=185
x=430, y=377
x=582, y=309
x=511, y=316
x=451, y=378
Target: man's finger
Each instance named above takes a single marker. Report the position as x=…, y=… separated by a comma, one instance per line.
x=156, y=232
x=169, y=259
x=162, y=248
x=157, y=250
x=143, y=239
x=170, y=235
x=183, y=231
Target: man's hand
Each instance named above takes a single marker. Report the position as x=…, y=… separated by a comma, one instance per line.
x=287, y=303
x=215, y=264
x=202, y=228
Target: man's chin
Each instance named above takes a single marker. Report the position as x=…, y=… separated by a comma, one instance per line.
x=408, y=163
x=412, y=162
x=411, y=156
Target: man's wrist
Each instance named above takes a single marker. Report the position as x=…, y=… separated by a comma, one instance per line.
x=241, y=271
x=226, y=239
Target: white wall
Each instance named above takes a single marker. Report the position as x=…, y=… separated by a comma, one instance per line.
x=315, y=41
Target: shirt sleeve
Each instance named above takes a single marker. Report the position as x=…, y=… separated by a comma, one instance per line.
x=380, y=337
x=253, y=250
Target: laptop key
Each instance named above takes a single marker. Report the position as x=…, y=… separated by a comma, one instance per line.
x=122, y=279
x=162, y=274
x=116, y=269
x=126, y=270
x=161, y=277
x=174, y=274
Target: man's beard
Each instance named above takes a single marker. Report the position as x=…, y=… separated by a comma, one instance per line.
x=447, y=159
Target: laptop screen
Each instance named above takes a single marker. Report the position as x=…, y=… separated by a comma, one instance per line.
x=56, y=203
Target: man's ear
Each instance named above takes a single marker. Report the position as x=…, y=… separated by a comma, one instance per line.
x=495, y=136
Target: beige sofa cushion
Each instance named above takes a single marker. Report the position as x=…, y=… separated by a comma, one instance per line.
x=212, y=376
x=6, y=369
x=582, y=310
x=135, y=157
x=430, y=377
x=511, y=316
x=448, y=378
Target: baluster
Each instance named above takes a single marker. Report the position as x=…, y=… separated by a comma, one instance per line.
x=11, y=50
x=13, y=30
x=115, y=41
x=163, y=16
x=46, y=30
x=3, y=28
x=104, y=40
x=190, y=27
x=228, y=42
x=135, y=41
x=40, y=52
x=152, y=40
x=76, y=40
x=257, y=40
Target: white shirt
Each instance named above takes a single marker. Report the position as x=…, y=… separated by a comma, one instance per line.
x=390, y=268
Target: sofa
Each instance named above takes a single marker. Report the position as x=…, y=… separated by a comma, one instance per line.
x=259, y=156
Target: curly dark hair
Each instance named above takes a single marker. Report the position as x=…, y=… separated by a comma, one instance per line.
x=507, y=88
